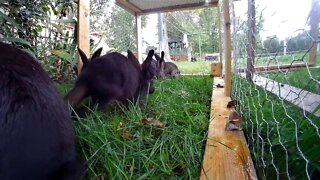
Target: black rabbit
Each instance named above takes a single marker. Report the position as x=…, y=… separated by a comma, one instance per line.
x=112, y=77
x=37, y=135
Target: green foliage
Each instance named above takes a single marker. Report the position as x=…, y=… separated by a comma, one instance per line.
x=29, y=26
x=200, y=25
x=117, y=144
x=277, y=133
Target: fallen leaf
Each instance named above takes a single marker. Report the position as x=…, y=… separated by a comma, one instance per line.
x=123, y=132
x=152, y=122
x=233, y=122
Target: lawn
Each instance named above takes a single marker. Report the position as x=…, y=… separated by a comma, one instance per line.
x=303, y=78
x=118, y=144
x=278, y=60
x=194, y=68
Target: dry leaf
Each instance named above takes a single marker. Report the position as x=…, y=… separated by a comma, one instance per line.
x=233, y=122
x=152, y=122
x=124, y=133
x=232, y=103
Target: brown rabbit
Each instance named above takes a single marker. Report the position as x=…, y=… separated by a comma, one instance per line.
x=166, y=69
x=112, y=77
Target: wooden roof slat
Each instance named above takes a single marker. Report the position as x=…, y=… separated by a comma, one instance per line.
x=136, y=9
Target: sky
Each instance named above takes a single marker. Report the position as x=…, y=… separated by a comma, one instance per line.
x=283, y=18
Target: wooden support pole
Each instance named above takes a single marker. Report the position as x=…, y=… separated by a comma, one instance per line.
x=139, y=38
x=220, y=35
x=314, y=23
x=251, y=47
x=227, y=45
x=83, y=29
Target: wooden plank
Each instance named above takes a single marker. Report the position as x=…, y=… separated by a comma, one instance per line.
x=130, y=7
x=220, y=35
x=139, y=38
x=226, y=153
x=276, y=67
x=227, y=40
x=191, y=6
x=83, y=29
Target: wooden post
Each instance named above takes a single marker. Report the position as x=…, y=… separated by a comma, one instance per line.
x=251, y=47
x=83, y=29
x=235, y=40
x=220, y=35
x=314, y=22
x=139, y=38
x=227, y=45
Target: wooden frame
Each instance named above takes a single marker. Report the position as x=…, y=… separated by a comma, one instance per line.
x=227, y=46
x=127, y=5
x=139, y=38
x=83, y=30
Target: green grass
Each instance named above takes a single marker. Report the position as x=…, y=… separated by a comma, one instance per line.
x=195, y=68
x=271, y=126
x=279, y=60
x=302, y=78
x=118, y=145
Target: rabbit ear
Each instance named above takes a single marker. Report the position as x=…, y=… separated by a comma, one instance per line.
x=146, y=65
x=148, y=60
x=83, y=56
x=133, y=59
x=162, y=55
x=131, y=56
x=97, y=53
x=158, y=58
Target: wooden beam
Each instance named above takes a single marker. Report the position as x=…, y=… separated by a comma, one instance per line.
x=83, y=29
x=132, y=8
x=183, y=7
x=220, y=36
x=227, y=45
x=139, y=38
x=128, y=7
x=314, y=22
x=251, y=46
x=226, y=154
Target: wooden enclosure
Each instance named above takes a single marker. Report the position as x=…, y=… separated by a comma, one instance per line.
x=138, y=8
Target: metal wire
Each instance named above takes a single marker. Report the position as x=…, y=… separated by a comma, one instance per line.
x=280, y=107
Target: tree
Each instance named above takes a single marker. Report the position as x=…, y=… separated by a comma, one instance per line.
x=272, y=44
x=300, y=42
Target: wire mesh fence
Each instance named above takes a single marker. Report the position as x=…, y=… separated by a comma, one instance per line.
x=280, y=104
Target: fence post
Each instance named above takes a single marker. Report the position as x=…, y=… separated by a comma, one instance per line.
x=235, y=39
x=83, y=30
x=251, y=46
x=314, y=22
x=227, y=90
x=220, y=35
x=139, y=38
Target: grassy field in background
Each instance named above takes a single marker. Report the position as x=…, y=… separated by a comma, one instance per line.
x=279, y=59
x=195, y=68
x=116, y=143
x=301, y=78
